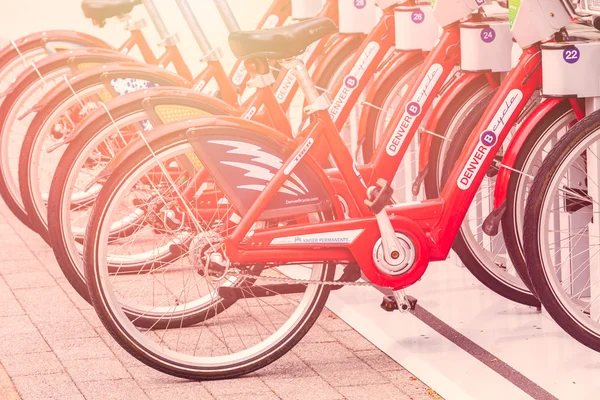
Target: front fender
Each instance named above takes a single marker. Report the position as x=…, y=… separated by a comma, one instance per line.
x=517, y=142
x=449, y=96
x=396, y=64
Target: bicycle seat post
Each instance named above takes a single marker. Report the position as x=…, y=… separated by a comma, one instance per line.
x=307, y=86
x=190, y=18
x=167, y=39
x=227, y=15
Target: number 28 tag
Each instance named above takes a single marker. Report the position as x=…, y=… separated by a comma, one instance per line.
x=571, y=55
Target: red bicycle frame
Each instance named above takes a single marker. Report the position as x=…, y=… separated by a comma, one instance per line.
x=431, y=225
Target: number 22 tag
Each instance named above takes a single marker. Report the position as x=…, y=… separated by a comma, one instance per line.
x=571, y=55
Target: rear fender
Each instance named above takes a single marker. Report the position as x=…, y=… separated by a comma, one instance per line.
x=52, y=40
x=159, y=105
x=108, y=72
x=243, y=155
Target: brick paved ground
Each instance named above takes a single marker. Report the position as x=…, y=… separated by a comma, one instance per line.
x=52, y=346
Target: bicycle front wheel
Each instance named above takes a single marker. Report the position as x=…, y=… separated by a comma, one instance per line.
x=561, y=232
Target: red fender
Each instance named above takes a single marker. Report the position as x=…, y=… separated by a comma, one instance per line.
x=449, y=95
x=510, y=156
x=335, y=45
x=223, y=121
x=35, y=39
x=169, y=78
x=394, y=63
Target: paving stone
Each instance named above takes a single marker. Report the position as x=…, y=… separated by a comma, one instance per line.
x=332, y=323
x=45, y=302
x=182, y=391
x=120, y=353
x=241, y=385
x=31, y=364
x=251, y=396
x=92, y=318
x=30, y=264
x=17, y=252
x=79, y=302
x=408, y=384
x=116, y=389
x=317, y=334
x=53, y=386
x=311, y=388
x=75, y=327
x=354, y=340
x=319, y=353
x=10, y=307
x=80, y=349
x=149, y=378
x=288, y=366
x=350, y=373
x=27, y=280
x=95, y=369
x=373, y=392
x=7, y=389
x=16, y=324
x=378, y=360
x=23, y=343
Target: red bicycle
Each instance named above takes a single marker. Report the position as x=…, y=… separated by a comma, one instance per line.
x=265, y=222
x=76, y=180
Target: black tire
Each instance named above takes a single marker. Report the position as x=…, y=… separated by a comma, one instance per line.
x=510, y=228
x=38, y=217
x=461, y=246
x=531, y=233
x=56, y=235
x=157, y=360
x=379, y=99
x=436, y=158
x=10, y=101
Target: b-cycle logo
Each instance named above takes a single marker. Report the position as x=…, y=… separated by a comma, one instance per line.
x=240, y=73
x=488, y=139
x=352, y=80
x=480, y=2
x=414, y=109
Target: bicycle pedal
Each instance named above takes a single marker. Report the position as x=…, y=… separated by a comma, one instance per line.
x=404, y=302
x=389, y=304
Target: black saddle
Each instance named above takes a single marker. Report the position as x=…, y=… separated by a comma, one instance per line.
x=282, y=42
x=100, y=10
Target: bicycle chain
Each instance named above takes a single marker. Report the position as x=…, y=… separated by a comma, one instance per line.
x=302, y=281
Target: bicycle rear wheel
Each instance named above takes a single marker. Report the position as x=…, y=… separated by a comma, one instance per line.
x=74, y=188
x=16, y=115
x=251, y=332
x=60, y=117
